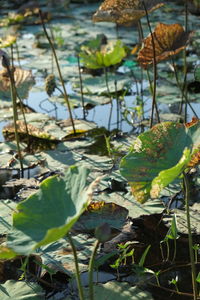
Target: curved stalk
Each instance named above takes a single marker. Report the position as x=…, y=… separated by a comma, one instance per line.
x=91, y=268
x=109, y=94
x=187, y=192
x=78, y=278
x=81, y=87
x=59, y=71
x=182, y=90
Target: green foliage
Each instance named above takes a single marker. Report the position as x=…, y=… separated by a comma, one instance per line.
x=158, y=157
x=108, y=56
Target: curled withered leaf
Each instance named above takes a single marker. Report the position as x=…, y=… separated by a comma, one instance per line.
x=23, y=82
x=195, y=159
x=169, y=40
x=124, y=11
x=192, y=123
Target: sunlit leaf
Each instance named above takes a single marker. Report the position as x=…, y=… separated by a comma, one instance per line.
x=119, y=290
x=21, y=290
x=8, y=41
x=158, y=156
x=124, y=12
x=169, y=40
x=108, y=55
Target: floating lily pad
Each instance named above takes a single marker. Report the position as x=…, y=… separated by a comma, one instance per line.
x=59, y=255
x=119, y=290
x=76, y=100
x=7, y=208
x=97, y=85
x=21, y=290
x=43, y=127
x=98, y=213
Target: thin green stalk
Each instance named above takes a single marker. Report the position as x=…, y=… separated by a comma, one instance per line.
x=91, y=269
x=109, y=94
x=154, y=71
x=18, y=56
x=81, y=87
x=175, y=250
x=182, y=89
x=59, y=71
x=78, y=278
x=185, y=64
x=187, y=196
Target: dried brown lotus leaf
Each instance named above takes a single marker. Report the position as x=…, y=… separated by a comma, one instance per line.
x=124, y=11
x=169, y=40
x=195, y=159
x=32, y=130
x=24, y=80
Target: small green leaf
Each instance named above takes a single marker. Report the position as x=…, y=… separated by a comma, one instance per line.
x=172, y=234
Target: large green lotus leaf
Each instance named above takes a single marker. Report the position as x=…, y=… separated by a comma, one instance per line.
x=159, y=149
x=20, y=290
x=48, y=215
x=119, y=290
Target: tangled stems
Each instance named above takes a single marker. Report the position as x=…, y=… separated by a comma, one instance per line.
x=59, y=71
x=194, y=283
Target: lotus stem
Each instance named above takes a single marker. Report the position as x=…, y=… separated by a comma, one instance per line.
x=109, y=94
x=193, y=269
x=6, y=64
x=182, y=89
x=59, y=71
x=81, y=87
x=153, y=89
x=78, y=278
x=90, y=270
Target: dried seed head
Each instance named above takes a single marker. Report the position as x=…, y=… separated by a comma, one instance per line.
x=50, y=84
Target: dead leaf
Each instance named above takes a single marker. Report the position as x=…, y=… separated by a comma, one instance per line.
x=123, y=11
x=169, y=40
